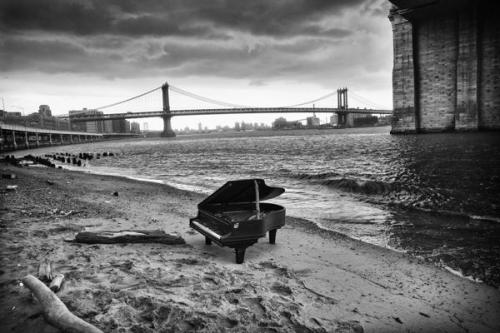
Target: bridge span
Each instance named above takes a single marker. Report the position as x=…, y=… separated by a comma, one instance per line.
x=198, y=112
x=166, y=114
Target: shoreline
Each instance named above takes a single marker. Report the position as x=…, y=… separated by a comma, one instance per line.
x=312, y=224
x=312, y=278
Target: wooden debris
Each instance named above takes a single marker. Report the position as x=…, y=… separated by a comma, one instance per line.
x=128, y=236
x=56, y=283
x=45, y=271
x=11, y=187
x=54, y=310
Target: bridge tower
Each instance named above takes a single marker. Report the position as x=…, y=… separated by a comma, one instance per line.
x=345, y=119
x=167, y=126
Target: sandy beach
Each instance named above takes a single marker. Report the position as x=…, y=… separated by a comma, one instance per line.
x=310, y=281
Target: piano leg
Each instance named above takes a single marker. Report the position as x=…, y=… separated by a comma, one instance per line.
x=208, y=241
x=240, y=254
x=272, y=236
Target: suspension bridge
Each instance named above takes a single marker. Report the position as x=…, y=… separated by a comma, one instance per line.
x=166, y=113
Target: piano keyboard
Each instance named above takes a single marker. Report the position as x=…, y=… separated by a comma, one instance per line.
x=206, y=229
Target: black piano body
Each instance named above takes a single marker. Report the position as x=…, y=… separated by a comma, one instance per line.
x=233, y=216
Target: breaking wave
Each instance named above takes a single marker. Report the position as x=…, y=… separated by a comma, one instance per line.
x=370, y=187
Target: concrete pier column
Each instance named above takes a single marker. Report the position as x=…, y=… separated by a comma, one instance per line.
x=167, y=128
x=62, y=138
x=50, y=139
x=345, y=119
x=405, y=118
x=466, y=111
x=26, y=142
x=14, y=143
x=71, y=138
x=167, y=125
x=37, y=138
x=341, y=119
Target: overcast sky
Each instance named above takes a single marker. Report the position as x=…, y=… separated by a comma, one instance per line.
x=72, y=54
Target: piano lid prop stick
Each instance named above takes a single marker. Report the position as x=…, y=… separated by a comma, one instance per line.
x=257, y=199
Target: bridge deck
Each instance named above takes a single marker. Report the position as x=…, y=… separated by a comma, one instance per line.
x=21, y=128
x=188, y=112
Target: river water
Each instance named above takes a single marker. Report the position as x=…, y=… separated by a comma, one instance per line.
x=436, y=196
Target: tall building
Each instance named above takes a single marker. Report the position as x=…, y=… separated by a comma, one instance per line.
x=44, y=111
x=108, y=126
x=121, y=126
x=135, y=127
x=313, y=121
x=334, y=119
x=93, y=126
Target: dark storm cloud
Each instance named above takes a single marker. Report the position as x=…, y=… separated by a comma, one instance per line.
x=53, y=57
x=254, y=39
x=168, y=18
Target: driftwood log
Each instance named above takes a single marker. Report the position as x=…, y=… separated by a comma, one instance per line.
x=56, y=282
x=128, y=236
x=54, y=310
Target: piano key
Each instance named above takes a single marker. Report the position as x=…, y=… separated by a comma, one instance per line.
x=207, y=230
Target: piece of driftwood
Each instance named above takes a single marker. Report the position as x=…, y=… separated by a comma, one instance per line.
x=45, y=271
x=56, y=282
x=54, y=310
x=128, y=236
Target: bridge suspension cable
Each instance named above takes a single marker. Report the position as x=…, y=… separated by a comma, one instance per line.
x=205, y=99
x=232, y=105
x=313, y=101
x=365, y=100
x=128, y=99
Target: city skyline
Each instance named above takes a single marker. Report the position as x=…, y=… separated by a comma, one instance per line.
x=72, y=55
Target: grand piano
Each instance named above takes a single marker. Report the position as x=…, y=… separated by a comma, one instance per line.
x=234, y=215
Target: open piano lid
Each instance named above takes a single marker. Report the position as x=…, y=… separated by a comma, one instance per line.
x=239, y=191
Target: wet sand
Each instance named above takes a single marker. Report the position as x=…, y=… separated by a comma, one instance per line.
x=310, y=281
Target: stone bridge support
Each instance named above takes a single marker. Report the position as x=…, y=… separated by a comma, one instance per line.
x=446, y=65
x=167, y=125
x=344, y=118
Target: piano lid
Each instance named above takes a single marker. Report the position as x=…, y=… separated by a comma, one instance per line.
x=239, y=191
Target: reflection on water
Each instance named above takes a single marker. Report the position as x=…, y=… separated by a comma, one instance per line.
x=435, y=195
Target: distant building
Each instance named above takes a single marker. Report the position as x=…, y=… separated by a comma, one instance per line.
x=121, y=126
x=44, y=111
x=313, y=121
x=7, y=114
x=108, y=126
x=360, y=120
x=282, y=123
x=41, y=119
x=135, y=127
x=93, y=126
x=334, y=119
